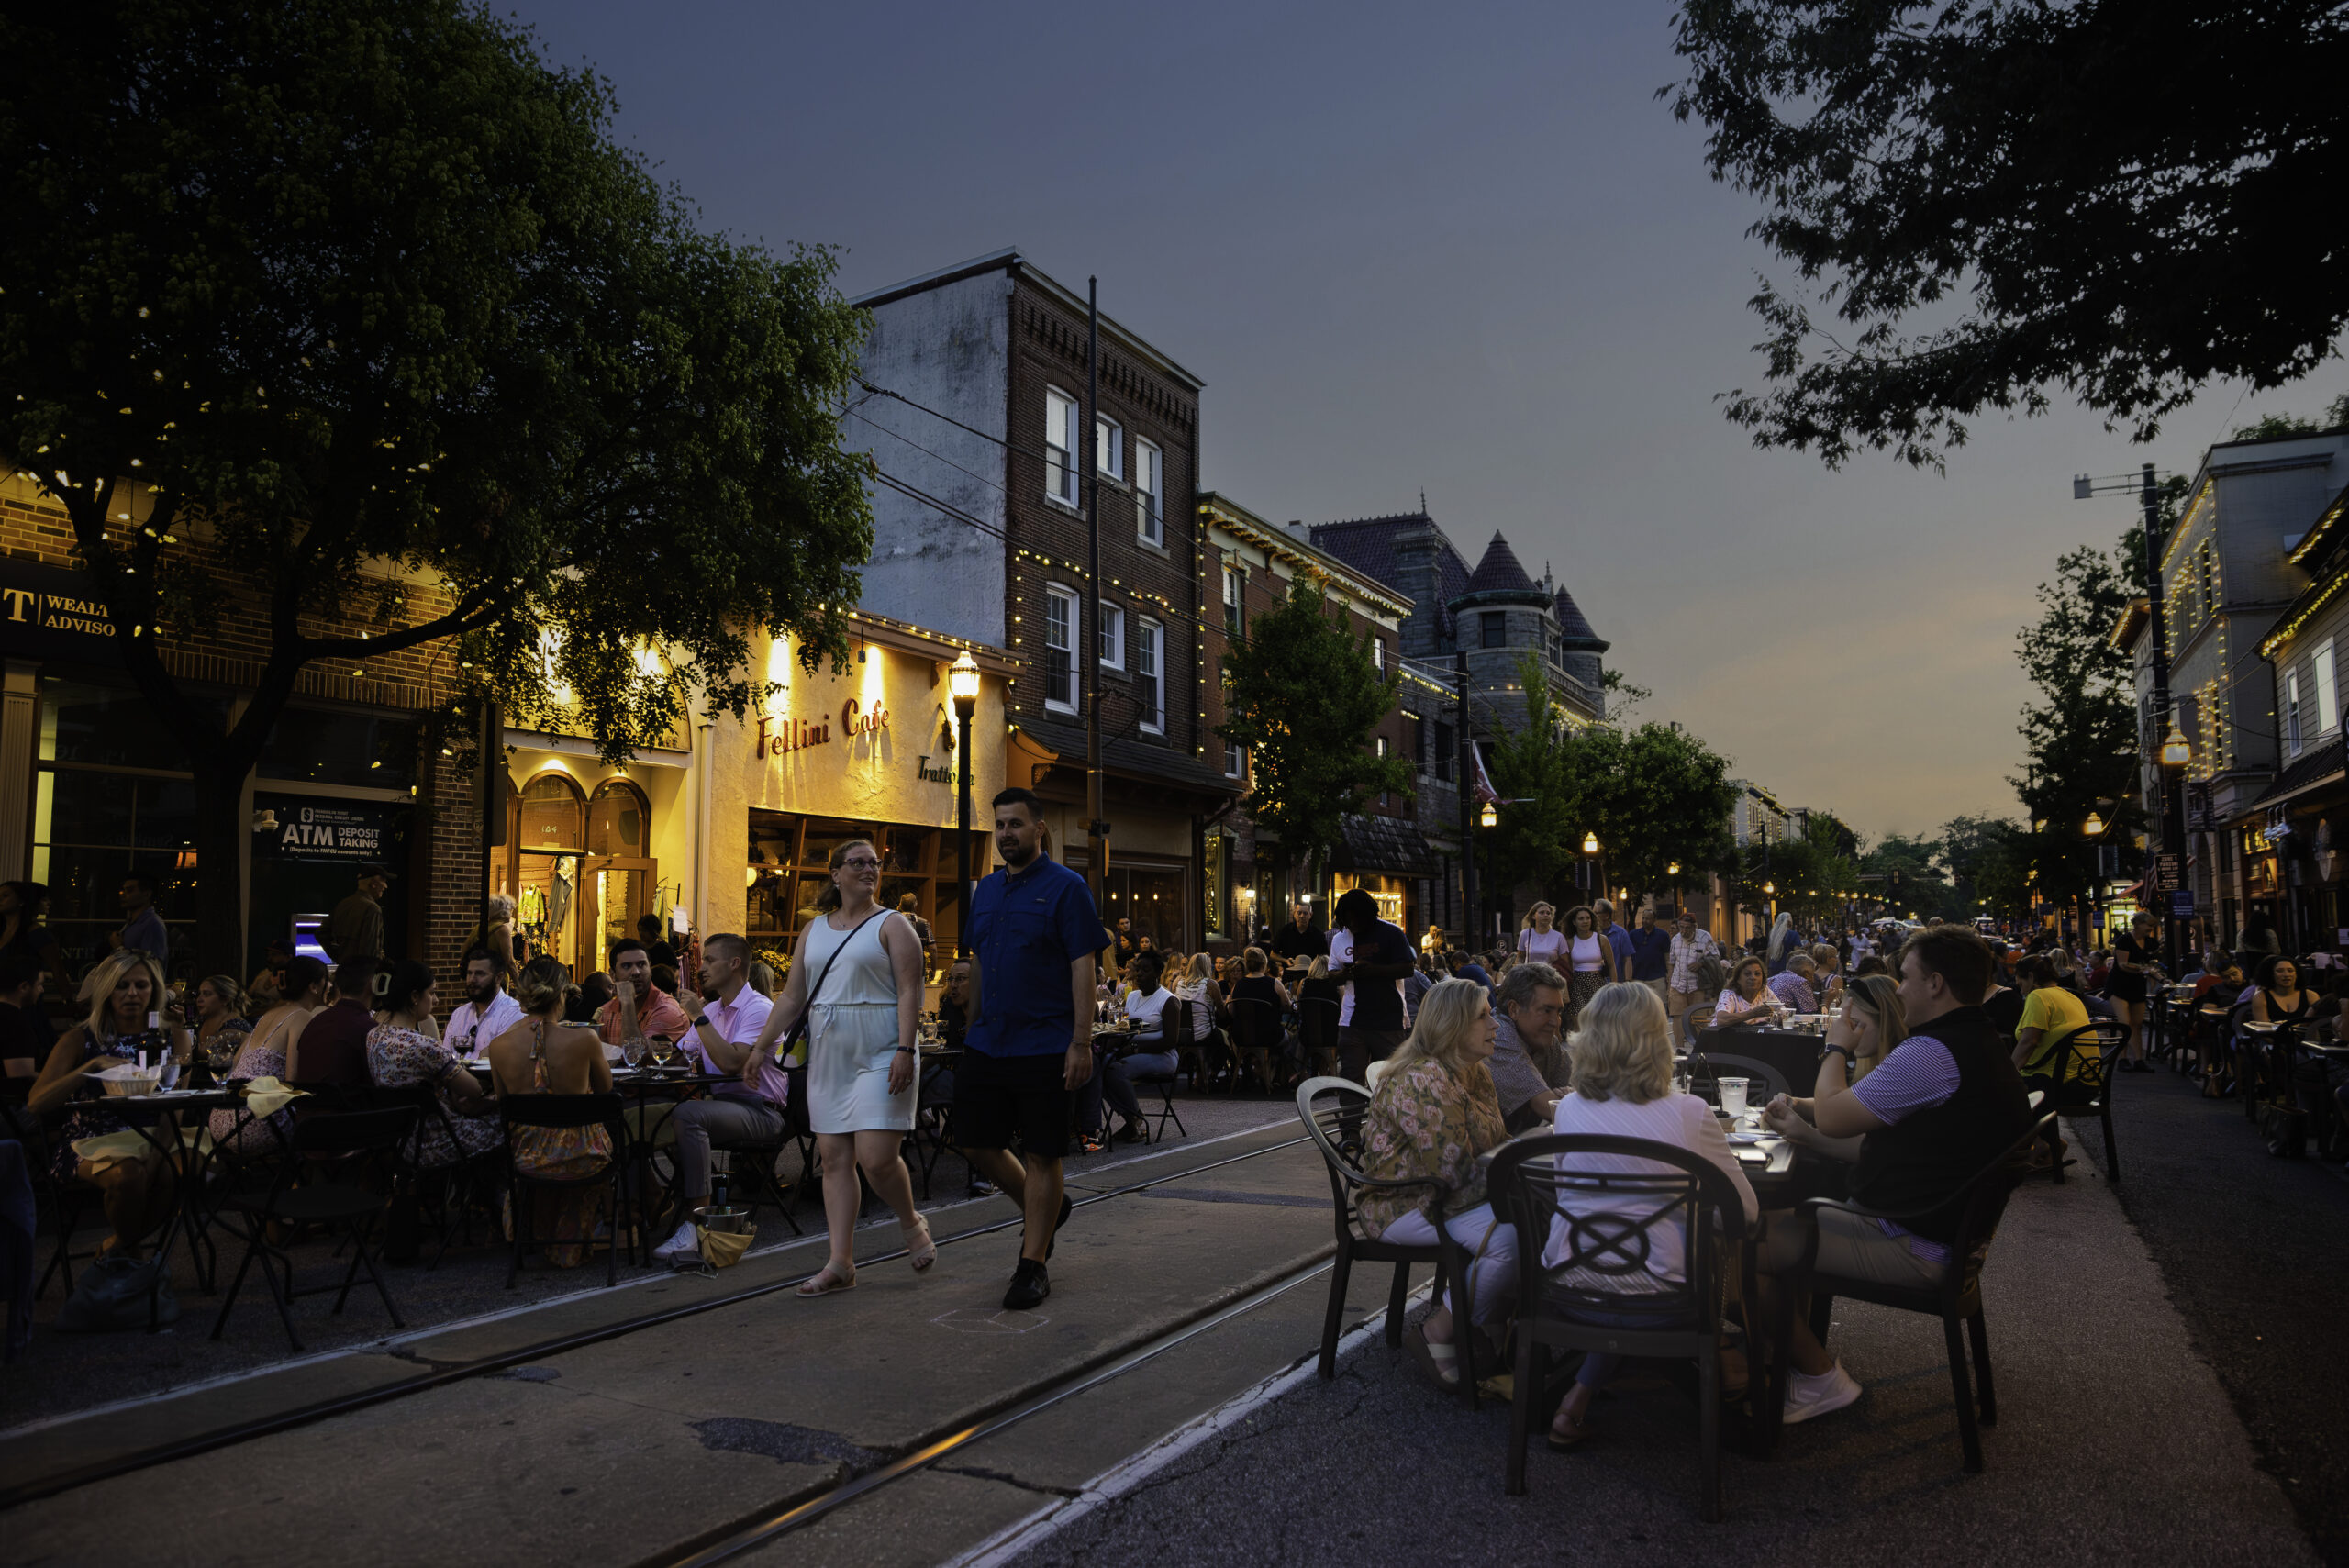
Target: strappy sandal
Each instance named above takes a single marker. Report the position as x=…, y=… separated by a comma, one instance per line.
x=923, y=1254
x=827, y=1281
x=1567, y=1440
x=1441, y=1362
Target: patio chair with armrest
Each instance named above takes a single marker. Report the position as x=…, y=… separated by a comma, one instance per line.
x=1957, y=1298
x=1331, y=1110
x=1605, y=1224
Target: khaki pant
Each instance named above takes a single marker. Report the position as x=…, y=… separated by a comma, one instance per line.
x=1676, y=1003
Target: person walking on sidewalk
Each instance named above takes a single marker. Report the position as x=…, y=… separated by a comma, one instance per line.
x=867, y=965
x=1034, y=933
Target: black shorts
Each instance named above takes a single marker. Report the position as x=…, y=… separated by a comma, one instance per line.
x=998, y=1096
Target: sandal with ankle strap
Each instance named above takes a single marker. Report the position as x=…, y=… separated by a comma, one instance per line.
x=827, y=1281
x=922, y=1252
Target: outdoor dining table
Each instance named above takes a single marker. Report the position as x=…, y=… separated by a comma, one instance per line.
x=158, y=1119
x=1794, y=1053
x=639, y=1085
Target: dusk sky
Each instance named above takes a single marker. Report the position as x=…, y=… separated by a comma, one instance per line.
x=1454, y=248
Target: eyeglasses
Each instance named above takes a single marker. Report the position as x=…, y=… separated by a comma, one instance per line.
x=861, y=863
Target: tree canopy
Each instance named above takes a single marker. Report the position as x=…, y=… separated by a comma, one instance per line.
x=1985, y=201
x=1302, y=696
x=356, y=309
x=2080, y=730
x=1654, y=794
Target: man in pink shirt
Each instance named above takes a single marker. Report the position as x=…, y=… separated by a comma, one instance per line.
x=639, y=1007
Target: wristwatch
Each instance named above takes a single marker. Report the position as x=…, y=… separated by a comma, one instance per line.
x=1843, y=1051
x=698, y=1021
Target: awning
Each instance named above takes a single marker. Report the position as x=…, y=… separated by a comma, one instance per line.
x=1384, y=845
x=2320, y=767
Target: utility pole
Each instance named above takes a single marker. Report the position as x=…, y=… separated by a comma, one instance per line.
x=1097, y=844
x=2169, y=793
x=1471, y=918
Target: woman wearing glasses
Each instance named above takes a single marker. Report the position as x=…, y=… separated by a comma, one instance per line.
x=865, y=965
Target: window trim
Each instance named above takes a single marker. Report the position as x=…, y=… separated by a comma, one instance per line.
x=1113, y=447
x=1487, y=623
x=1150, y=502
x=2292, y=726
x=1154, y=680
x=1235, y=600
x=1235, y=760
x=1111, y=630
x=1066, y=495
x=2322, y=665
x=1055, y=593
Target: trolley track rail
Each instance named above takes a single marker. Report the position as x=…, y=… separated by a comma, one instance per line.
x=443, y=1376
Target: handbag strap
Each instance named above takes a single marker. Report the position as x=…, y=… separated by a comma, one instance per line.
x=824, y=973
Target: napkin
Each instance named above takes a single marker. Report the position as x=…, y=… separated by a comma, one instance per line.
x=721, y=1250
x=266, y=1096
x=112, y=1148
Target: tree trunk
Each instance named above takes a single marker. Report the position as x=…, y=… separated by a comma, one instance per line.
x=221, y=829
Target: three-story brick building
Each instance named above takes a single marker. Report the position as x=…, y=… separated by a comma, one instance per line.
x=976, y=381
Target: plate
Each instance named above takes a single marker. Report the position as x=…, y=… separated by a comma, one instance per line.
x=1753, y=1137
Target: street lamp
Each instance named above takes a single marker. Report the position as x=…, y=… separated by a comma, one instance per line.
x=1488, y=817
x=1590, y=843
x=962, y=684
x=2093, y=826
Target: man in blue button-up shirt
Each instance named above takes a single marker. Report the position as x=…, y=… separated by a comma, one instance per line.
x=1034, y=937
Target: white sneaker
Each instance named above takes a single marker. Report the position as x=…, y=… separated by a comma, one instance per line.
x=685, y=1245
x=1807, y=1395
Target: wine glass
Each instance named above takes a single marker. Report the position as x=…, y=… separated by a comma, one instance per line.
x=632, y=1050
x=664, y=1050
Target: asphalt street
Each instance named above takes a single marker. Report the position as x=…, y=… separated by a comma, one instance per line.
x=2122, y=1362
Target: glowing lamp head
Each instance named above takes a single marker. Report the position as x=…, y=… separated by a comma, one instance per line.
x=2176, y=751
x=963, y=678
x=2093, y=826
x=1590, y=843
x=1488, y=817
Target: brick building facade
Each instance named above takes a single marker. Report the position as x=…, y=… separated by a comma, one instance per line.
x=978, y=375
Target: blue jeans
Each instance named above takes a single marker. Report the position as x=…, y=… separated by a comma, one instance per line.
x=1118, y=1083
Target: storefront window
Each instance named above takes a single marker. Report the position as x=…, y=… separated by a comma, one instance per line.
x=112, y=796
x=1152, y=898
x=917, y=861
x=315, y=746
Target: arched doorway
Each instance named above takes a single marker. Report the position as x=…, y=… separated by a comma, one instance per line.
x=547, y=842
x=620, y=880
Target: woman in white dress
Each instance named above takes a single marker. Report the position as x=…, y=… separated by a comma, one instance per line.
x=861, y=1054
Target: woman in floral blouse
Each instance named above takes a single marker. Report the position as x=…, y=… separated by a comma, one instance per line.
x=399, y=1054
x=1435, y=1112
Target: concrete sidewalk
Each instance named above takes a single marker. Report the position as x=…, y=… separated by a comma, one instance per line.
x=2115, y=1444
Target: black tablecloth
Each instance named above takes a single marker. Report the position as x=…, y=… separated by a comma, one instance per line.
x=1793, y=1052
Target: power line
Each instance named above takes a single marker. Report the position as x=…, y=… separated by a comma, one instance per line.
x=926, y=451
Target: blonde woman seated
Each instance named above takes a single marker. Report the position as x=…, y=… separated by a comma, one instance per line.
x=1621, y=1060
x=1877, y=1021
x=1747, y=998
x=1435, y=1112
x=138, y=1190
x=543, y=1055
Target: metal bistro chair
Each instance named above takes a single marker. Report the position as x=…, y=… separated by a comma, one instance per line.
x=1331, y=1110
x=564, y=1111
x=345, y=1162
x=1695, y=1021
x=1979, y=1204
x=1256, y=1036
x=1317, y=1030
x=2080, y=1085
x=1610, y=1241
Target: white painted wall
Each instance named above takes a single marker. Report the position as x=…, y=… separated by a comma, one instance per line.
x=948, y=349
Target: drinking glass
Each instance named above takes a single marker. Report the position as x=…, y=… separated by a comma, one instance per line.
x=632, y=1050
x=664, y=1050
x=1733, y=1096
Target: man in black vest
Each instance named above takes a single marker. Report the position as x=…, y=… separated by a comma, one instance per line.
x=1935, y=1111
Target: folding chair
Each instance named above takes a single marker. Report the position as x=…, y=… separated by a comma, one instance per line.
x=564, y=1111
x=345, y=1163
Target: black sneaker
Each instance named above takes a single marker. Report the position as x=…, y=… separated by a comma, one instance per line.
x=1029, y=1285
